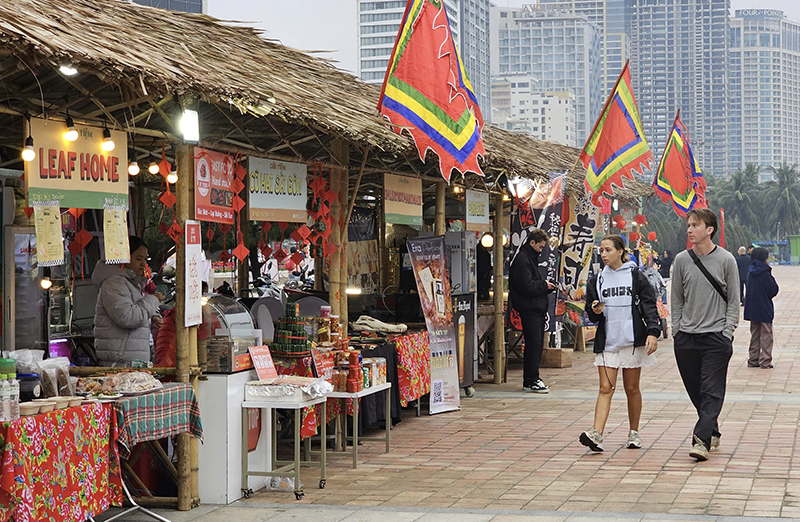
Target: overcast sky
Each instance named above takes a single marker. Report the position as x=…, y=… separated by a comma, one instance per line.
x=330, y=25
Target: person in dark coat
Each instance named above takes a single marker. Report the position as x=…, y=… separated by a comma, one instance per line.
x=759, y=310
x=484, y=269
x=528, y=296
x=743, y=262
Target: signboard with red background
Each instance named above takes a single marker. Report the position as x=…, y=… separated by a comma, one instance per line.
x=213, y=174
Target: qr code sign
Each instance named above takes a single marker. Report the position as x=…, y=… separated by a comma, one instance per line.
x=437, y=392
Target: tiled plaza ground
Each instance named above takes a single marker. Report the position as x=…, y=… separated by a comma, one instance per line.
x=508, y=454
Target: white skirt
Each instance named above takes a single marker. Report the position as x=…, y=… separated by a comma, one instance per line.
x=625, y=358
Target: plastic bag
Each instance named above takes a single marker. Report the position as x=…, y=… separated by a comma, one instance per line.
x=27, y=360
x=280, y=484
x=54, y=375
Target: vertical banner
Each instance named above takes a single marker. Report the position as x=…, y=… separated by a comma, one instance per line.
x=213, y=186
x=402, y=199
x=49, y=246
x=433, y=284
x=582, y=219
x=464, y=318
x=115, y=236
x=477, y=218
x=194, y=275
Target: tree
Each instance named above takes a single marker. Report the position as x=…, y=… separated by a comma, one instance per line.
x=739, y=196
x=782, y=195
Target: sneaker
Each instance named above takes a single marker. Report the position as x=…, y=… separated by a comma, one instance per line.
x=714, y=442
x=634, y=440
x=592, y=439
x=699, y=450
x=537, y=387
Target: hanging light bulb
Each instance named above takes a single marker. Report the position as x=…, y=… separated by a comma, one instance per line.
x=68, y=70
x=45, y=283
x=172, y=177
x=153, y=168
x=28, y=154
x=133, y=168
x=108, y=143
x=72, y=133
x=487, y=240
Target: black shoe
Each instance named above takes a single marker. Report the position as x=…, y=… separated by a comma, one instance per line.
x=537, y=387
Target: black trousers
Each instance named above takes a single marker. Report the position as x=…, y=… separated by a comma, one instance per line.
x=533, y=332
x=703, y=363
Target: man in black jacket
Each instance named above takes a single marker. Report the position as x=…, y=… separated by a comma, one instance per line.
x=528, y=296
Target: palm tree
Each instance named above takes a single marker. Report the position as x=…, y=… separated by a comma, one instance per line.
x=738, y=195
x=783, y=197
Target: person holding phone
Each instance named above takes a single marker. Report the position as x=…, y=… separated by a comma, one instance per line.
x=622, y=303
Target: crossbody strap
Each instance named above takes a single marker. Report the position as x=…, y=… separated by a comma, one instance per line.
x=708, y=276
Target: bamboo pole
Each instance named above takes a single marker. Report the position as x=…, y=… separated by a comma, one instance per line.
x=194, y=364
x=184, y=161
x=343, y=274
x=441, y=198
x=335, y=263
x=499, y=328
x=337, y=275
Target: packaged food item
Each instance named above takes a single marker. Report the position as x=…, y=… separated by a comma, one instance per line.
x=54, y=373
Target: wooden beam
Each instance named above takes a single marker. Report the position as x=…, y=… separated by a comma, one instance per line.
x=499, y=327
x=441, y=198
x=83, y=90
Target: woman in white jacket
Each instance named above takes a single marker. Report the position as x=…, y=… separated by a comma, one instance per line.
x=622, y=302
x=124, y=309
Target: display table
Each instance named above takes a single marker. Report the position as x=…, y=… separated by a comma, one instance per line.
x=413, y=366
x=386, y=389
x=61, y=465
x=281, y=468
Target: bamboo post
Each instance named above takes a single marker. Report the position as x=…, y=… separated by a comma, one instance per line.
x=336, y=280
x=499, y=328
x=185, y=163
x=343, y=274
x=441, y=197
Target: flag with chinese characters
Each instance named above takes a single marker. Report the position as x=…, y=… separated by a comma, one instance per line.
x=678, y=179
x=426, y=91
x=616, y=146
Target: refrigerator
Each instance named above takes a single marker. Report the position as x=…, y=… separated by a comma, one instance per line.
x=25, y=304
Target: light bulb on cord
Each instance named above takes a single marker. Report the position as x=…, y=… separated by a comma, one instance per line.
x=487, y=240
x=133, y=168
x=45, y=283
x=153, y=168
x=172, y=177
x=68, y=70
x=108, y=143
x=72, y=132
x=28, y=154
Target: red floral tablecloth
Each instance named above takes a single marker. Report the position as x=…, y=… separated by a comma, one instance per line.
x=59, y=466
x=303, y=367
x=413, y=366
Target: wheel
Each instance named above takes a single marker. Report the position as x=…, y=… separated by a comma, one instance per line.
x=299, y=494
x=469, y=391
x=322, y=484
x=247, y=493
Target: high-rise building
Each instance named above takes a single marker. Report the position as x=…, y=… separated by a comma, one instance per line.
x=680, y=61
x=379, y=21
x=559, y=48
x=519, y=106
x=187, y=6
x=613, y=19
x=764, y=89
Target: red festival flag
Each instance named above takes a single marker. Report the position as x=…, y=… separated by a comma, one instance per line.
x=616, y=146
x=678, y=179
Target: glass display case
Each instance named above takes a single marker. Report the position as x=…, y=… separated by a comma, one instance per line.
x=227, y=332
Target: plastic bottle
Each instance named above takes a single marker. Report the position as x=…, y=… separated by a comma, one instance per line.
x=5, y=397
x=14, y=398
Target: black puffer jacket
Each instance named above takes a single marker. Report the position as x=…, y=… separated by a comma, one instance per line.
x=527, y=290
x=643, y=308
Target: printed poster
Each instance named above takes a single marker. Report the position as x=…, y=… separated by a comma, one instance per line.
x=115, y=236
x=402, y=199
x=465, y=316
x=213, y=195
x=429, y=264
x=194, y=275
x=49, y=246
x=477, y=218
x=582, y=219
x=362, y=266
x=278, y=191
x=76, y=174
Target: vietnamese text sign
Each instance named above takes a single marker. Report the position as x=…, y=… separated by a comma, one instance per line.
x=402, y=200
x=115, y=236
x=478, y=211
x=433, y=284
x=278, y=191
x=262, y=362
x=213, y=178
x=49, y=246
x=76, y=174
x=194, y=277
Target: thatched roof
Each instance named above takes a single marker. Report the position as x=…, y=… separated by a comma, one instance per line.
x=134, y=57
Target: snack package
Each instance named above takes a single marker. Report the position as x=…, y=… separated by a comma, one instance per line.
x=27, y=360
x=54, y=374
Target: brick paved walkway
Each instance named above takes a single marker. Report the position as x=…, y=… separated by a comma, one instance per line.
x=510, y=450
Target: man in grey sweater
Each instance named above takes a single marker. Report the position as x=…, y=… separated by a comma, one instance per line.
x=705, y=313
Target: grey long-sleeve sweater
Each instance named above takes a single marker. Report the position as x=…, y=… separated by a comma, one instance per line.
x=696, y=306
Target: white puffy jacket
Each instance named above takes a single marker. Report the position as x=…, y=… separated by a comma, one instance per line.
x=122, y=316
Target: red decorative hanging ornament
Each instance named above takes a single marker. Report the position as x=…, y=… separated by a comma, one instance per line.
x=639, y=219
x=210, y=234
x=225, y=256
x=167, y=199
x=175, y=232
x=651, y=236
x=617, y=218
x=241, y=251
x=633, y=237
x=621, y=224
x=164, y=167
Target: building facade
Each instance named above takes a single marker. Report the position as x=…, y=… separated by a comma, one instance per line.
x=680, y=61
x=519, y=106
x=187, y=6
x=765, y=102
x=559, y=48
x=474, y=50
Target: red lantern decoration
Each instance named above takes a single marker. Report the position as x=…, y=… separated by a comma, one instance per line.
x=651, y=236
x=617, y=218
x=639, y=219
x=621, y=224
x=633, y=237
